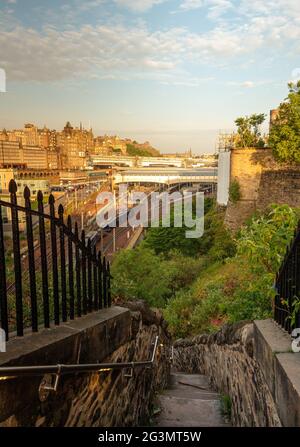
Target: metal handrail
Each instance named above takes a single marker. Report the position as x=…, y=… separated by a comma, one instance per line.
x=60, y=369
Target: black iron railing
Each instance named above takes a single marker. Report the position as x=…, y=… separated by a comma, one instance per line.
x=286, y=309
x=60, y=276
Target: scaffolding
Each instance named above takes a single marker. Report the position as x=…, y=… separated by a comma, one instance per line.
x=225, y=142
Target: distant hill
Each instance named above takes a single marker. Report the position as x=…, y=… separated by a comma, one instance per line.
x=141, y=149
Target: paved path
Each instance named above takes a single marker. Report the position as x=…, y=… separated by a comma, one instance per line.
x=189, y=402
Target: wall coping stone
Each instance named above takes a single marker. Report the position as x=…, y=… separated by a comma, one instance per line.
x=280, y=367
x=19, y=347
x=277, y=339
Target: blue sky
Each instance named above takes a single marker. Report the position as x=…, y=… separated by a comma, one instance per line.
x=174, y=72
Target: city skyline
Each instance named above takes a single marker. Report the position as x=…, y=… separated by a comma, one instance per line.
x=171, y=72
x=14, y=134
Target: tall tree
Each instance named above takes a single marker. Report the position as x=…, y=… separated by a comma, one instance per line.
x=249, y=132
x=284, y=136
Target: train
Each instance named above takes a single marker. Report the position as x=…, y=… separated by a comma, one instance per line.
x=93, y=236
x=116, y=222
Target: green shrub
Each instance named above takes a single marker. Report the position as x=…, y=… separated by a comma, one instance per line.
x=208, y=314
x=284, y=138
x=216, y=242
x=224, y=280
x=241, y=287
x=141, y=274
x=226, y=405
x=234, y=191
x=138, y=275
x=178, y=313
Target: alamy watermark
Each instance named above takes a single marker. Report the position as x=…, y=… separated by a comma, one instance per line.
x=2, y=81
x=296, y=340
x=136, y=208
x=2, y=340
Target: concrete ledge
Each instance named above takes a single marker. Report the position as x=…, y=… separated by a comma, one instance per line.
x=281, y=369
x=89, y=339
x=38, y=348
x=269, y=339
x=287, y=390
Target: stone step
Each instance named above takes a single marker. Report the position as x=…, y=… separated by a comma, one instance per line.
x=189, y=402
x=192, y=379
x=191, y=394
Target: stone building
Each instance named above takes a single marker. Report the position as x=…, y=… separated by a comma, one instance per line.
x=108, y=145
x=14, y=154
x=31, y=137
x=34, y=184
x=75, y=145
x=10, y=153
x=6, y=175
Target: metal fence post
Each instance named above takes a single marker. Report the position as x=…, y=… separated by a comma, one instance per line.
x=62, y=264
x=44, y=263
x=79, y=265
x=70, y=268
x=31, y=261
x=3, y=285
x=17, y=256
x=54, y=259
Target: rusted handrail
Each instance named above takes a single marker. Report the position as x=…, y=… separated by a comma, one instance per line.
x=60, y=369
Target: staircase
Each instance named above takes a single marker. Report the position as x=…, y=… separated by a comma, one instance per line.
x=189, y=402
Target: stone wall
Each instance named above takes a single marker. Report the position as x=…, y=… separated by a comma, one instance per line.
x=253, y=365
x=108, y=398
x=262, y=181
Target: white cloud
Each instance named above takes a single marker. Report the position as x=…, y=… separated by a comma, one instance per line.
x=215, y=8
x=188, y=81
x=248, y=84
x=89, y=51
x=118, y=51
x=218, y=8
x=290, y=8
x=251, y=84
x=188, y=5
x=138, y=5
x=245, y=84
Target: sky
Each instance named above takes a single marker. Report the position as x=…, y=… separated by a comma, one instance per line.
x=174, y=72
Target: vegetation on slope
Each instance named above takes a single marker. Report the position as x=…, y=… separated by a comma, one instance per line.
x=242, y=286
x=135, y=149
x=224, y=280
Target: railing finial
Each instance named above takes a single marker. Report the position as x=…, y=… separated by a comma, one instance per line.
x=26, y=193
x=51, y=199
x=40, y=196
x=12, y=186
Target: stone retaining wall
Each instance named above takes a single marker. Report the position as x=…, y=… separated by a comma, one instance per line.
x=253, y=365
x=104, y=399
x=262, y=181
